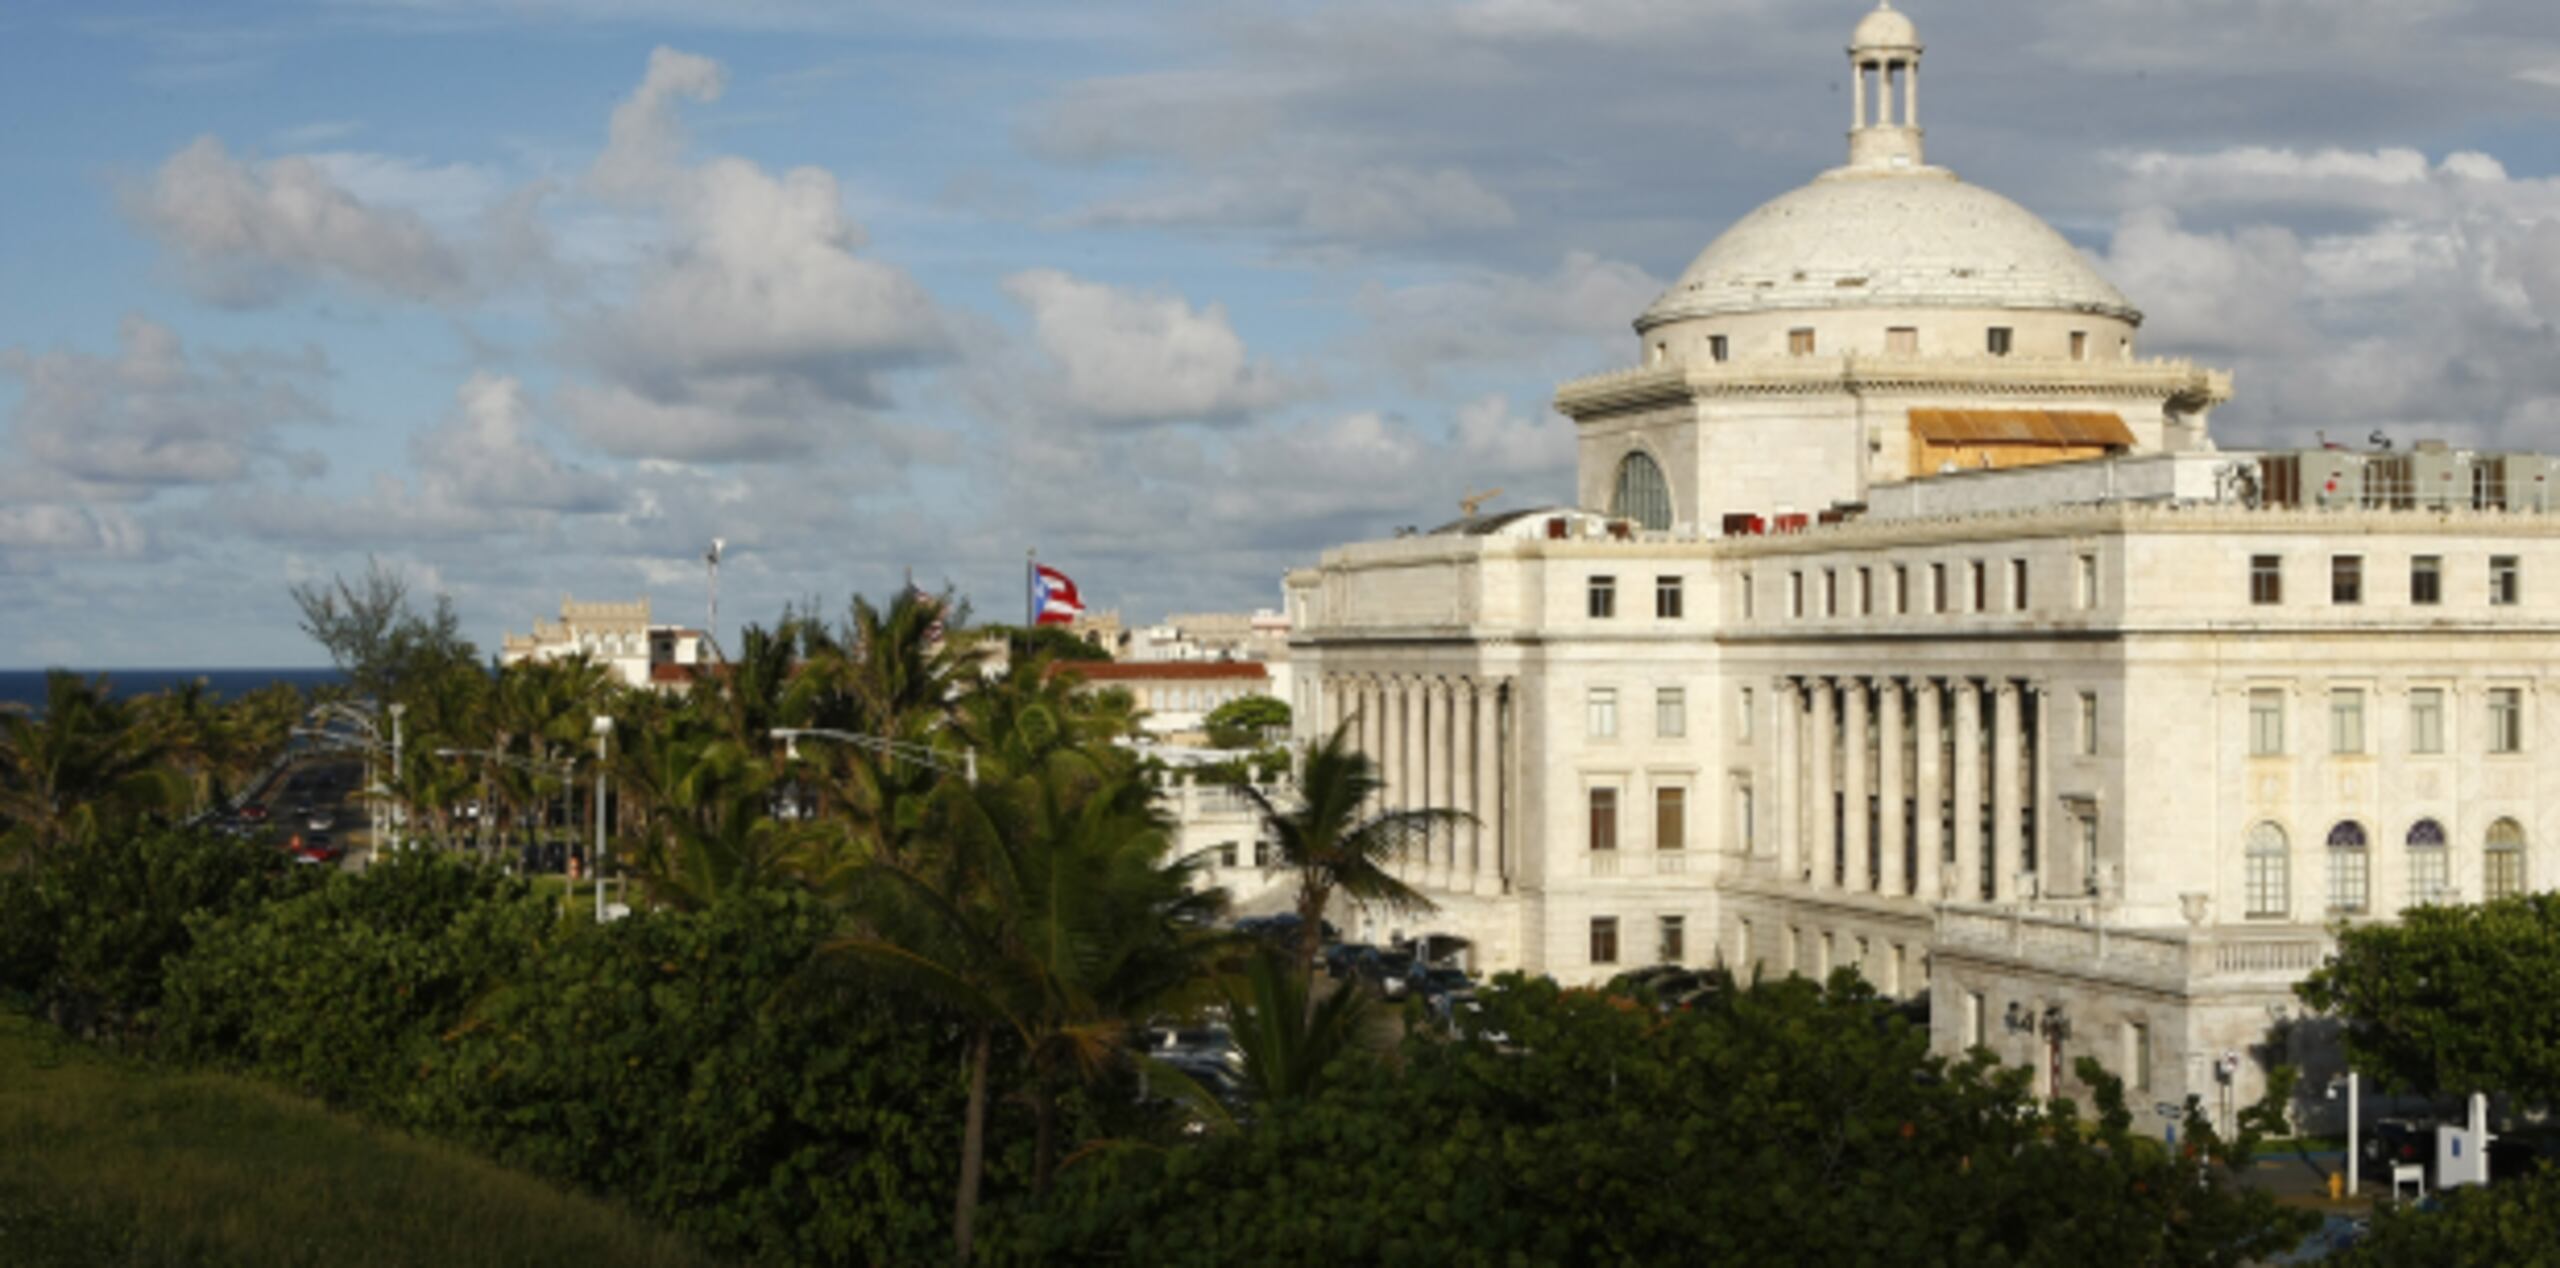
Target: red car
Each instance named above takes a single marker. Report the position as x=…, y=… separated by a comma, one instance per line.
x=254, y=813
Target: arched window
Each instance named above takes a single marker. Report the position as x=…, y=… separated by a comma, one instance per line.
x=2350, y=880
x=2502, y=866
x=2270, y=869
x=2430, y=865
x=1642, y=494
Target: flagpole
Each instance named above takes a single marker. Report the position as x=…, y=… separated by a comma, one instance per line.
x=1030, y=587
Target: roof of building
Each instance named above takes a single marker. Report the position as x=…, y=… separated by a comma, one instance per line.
x=1888, y=238
x=1163, y=670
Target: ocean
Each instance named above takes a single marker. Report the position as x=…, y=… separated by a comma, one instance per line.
x=25, y=687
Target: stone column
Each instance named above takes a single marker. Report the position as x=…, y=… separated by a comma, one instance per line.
x=1890, y=840
x=1930, y=791
x=1854, y=783
x=1858, y=95
x=1783, y=787
x=1486, y=863
x=1911, y=95
x=2005, y=836
x=1820, y=843
x=1444, y=772
x=1968, y=803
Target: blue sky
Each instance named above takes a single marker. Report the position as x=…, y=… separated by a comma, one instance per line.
x=534, y=297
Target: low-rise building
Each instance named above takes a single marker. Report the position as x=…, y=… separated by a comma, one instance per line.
x=619, y=636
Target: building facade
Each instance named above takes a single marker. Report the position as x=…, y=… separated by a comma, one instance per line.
x=619, y=636
x=1910, y=622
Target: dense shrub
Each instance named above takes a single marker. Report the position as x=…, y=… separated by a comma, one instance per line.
x=692, y=1065
x=339, y=992
x=87, y=932
x=2516, y=1221
x=1778, y=1125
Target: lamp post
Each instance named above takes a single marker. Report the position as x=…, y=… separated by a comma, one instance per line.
x=882, y=745
x=400, y=808
x=604, y=736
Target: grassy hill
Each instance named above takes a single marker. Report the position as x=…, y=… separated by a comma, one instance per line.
x=110, y=1162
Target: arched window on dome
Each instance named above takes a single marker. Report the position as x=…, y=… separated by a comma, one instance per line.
x=2502, y=865
x=1642, y=494
x=2430, y=864
x=2270, y=870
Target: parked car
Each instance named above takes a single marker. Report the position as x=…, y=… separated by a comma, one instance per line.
x=320, y=821
x=254, y=812
x=1340, y=958
x=1442, y=990
x=2399, y=1141
x=1389, y=971
x=316, y=847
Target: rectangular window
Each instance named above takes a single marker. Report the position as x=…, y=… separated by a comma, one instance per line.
x=2266, y=723
x=1604, y=939
x=2426, y=720
x=2350, y=885
x=1977, y=1016
x=2426, y=580
x=1999, y=340
x=2506, y=720
x=2137, y=1056
x=1604, y=713
x=1604, y=819
x=2087, y=569
x=2430, y=874
x=1831, y=592
x=1745, y=825
x=2506, y=581
x=2079, y=345
x=2346, y=579
x=1901, y=590
x=1749, y=602
x=2018, y=585
x=2088, y=724
x=1667, y=601
x=2346, y=722
x=1603, y=598
x=1981, y=586
x=2501, y=873
x=1675, y=940
x=1902, y=341
x=1742, y=725
x=1671, y=818
x=1795, y=595
x=1670, y=712
x=1937, y=587
x=2266, y=579
x=1866, y=592
x=1742, y=946
x=1226, y=854
x=1800, y=342
x=1717, y=349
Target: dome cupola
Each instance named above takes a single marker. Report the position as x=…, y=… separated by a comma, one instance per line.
x=1884, y=63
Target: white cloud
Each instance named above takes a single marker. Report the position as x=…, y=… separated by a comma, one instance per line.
x=1130, y=357
x=1566, y=321
x=152, y=416
x=486, y=455
x=246, y=234
x=755, y=326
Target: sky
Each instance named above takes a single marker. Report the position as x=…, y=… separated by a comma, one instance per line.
x=532, y=298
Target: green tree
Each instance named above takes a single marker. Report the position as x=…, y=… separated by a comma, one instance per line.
x=1052, y=641
x=87, y=768
x=2516, y=1221
x=1338, y=843
x=1288, y=1041
x=1247, y=722
x=1047, y=911
x=2451, y=999
x=375, y=637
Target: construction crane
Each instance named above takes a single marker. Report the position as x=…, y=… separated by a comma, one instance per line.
x=1469, y=503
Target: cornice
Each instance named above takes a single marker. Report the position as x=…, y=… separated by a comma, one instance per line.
x=2178, y=381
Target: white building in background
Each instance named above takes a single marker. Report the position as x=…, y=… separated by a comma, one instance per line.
x=619, y=636
x=1912, y=622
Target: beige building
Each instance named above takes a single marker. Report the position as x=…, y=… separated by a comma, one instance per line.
x=619, y=636
x=1912, y=622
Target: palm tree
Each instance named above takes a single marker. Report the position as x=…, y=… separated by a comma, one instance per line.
x=1288, y=1040
x=87, y=767
x=1336, y=844
x=711, y=831
x=1046, y=909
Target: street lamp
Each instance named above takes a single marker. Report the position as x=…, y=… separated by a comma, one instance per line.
x=604, y=736
x=399, y=807
x=882, y=745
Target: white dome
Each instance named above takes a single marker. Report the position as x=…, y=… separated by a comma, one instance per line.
x=1885, y=29
x=1876, y=238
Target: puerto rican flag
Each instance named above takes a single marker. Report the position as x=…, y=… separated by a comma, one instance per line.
x=1053, y=597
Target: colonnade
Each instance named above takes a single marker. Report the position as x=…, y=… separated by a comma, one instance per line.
x=1438, y=740
x=1900, y=787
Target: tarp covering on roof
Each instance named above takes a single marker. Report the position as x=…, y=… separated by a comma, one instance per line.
x=2021, y=427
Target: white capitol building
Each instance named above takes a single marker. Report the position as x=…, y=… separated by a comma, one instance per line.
x=1911, y=621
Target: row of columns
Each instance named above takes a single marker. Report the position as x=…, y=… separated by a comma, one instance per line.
x=1840, y=746
x=1436, y=741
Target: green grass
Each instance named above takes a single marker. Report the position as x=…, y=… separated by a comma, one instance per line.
x=106, y=1161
